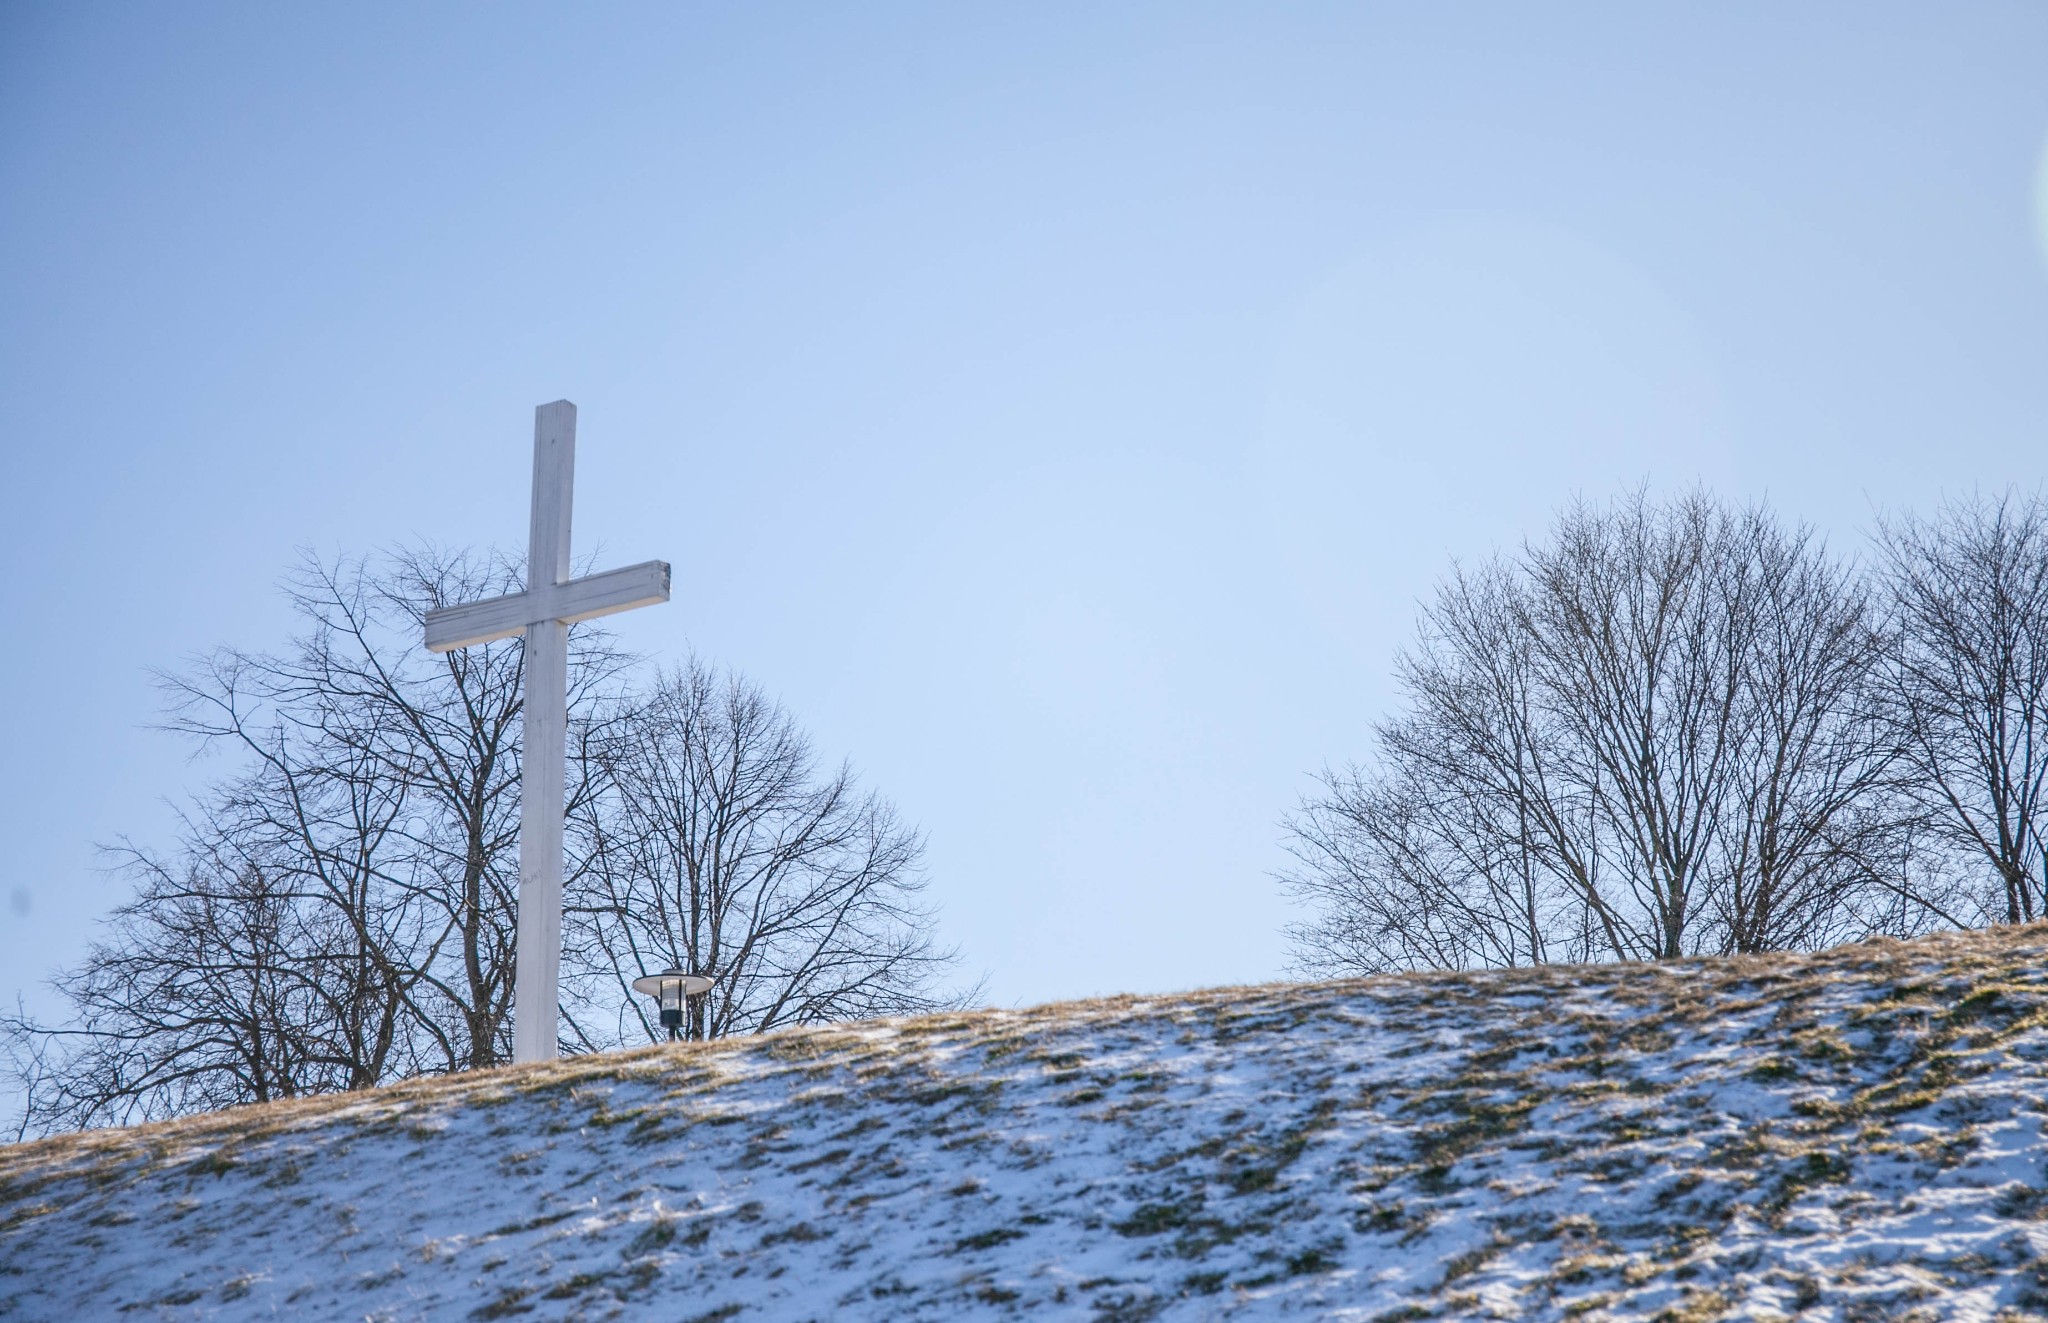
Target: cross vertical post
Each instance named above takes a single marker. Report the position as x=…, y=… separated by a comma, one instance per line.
x=543, y=774
x=543, y=613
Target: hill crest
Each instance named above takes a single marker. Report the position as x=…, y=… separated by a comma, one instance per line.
x=1851, y=1134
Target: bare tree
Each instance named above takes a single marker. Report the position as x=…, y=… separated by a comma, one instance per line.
x=201, y=994
x=390, y=781
x=28, y=1065
x=712, y=842
x=1651, y=735
x=340, y=908
x=1813, y=777
x=1969, y=678
x=1443, y=857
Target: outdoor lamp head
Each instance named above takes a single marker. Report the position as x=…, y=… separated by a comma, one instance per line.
x=671, y=990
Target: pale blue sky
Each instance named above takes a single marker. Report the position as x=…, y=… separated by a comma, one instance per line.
x=1061, y=408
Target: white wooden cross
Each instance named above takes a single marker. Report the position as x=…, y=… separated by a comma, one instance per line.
x=551, y=603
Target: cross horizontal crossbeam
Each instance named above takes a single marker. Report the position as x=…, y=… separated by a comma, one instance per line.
x=452, y=627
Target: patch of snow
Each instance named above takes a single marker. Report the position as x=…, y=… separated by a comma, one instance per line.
x=1853, y=1135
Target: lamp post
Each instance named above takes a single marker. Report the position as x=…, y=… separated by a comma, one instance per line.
x=671, y=988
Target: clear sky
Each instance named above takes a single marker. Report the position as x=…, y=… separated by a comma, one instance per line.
x=1061, y=408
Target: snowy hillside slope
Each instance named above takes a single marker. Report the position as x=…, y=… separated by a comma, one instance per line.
x=1852, y=1135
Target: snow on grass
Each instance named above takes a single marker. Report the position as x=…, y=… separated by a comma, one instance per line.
x=1851, y=1135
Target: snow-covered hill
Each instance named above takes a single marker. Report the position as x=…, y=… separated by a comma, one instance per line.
x=1853, y=1135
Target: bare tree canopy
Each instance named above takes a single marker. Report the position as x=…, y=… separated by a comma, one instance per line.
x=712, y=842
x=1970, y=679
x=1654, y=734
x=340, y=910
